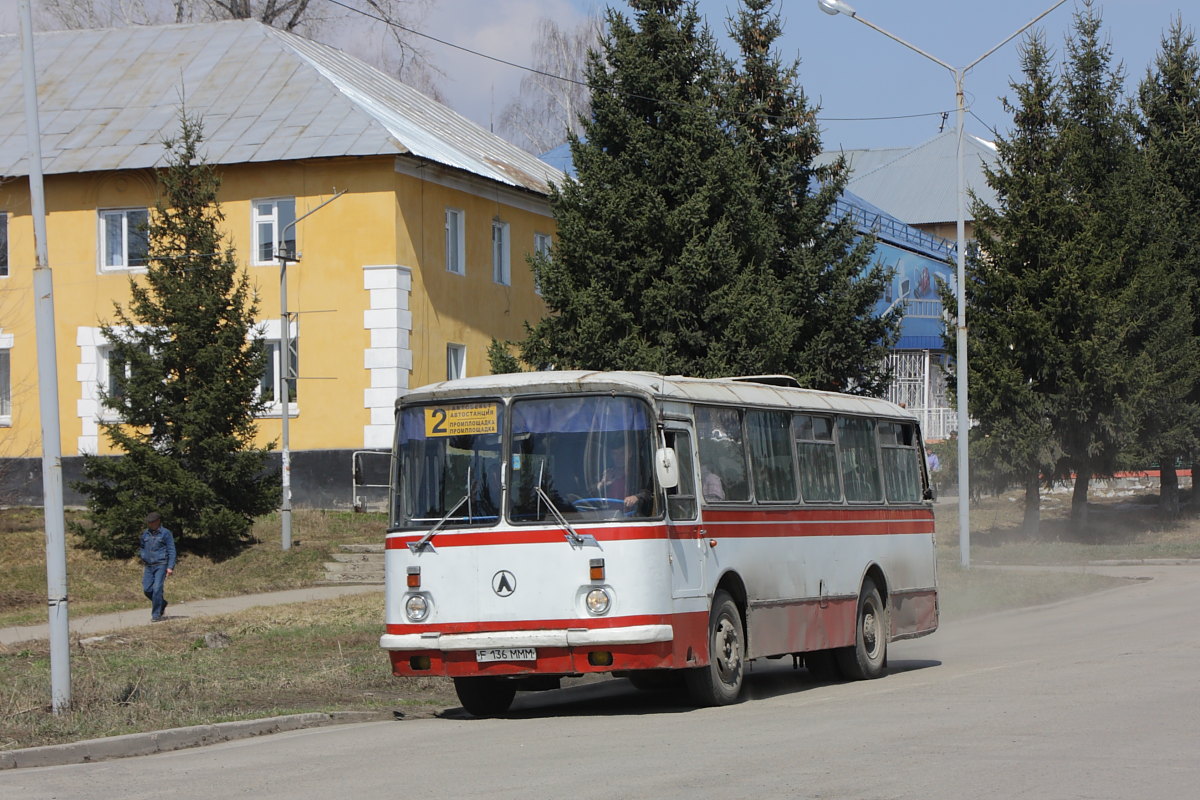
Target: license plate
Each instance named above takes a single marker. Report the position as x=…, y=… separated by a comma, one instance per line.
x=506, y=654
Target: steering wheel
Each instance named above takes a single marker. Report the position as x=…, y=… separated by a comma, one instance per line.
x=599, y=504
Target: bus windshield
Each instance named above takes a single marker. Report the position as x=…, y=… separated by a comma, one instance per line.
x=450, y=465
x=588, y=456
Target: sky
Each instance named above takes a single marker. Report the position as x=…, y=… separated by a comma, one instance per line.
x=852, y=71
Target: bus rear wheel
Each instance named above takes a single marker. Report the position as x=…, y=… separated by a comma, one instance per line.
x=866, y=658
x=720, y=683
x=485, y=696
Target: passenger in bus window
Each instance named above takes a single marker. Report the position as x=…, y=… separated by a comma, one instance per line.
x=713, y=489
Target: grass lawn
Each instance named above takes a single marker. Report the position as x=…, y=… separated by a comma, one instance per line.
x=98, y=585
x=325, y=656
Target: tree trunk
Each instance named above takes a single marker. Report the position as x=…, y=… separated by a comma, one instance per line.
x=1079, y=497
x=1033, y=507
x=1168, y=488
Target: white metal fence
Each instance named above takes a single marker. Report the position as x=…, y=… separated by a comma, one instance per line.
x=919, y=384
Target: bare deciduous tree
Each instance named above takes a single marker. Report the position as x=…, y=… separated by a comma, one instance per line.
x=380, y=29
x=553, y=97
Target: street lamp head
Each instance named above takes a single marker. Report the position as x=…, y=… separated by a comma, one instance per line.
x=834, y=7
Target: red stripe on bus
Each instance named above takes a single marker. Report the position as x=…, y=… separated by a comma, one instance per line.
x=526, y=536
x=550, y=661
x=816, y=514
x=764, y=530
x=717, y=530
x=739, y=524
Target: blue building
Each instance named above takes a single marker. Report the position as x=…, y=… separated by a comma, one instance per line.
x=919, y=262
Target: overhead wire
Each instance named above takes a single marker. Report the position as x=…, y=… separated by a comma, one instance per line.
x=564, y=79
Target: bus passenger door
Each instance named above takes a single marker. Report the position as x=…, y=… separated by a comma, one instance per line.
x=684, y=531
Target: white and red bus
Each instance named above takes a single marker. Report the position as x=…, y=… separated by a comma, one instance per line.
x=552, y=524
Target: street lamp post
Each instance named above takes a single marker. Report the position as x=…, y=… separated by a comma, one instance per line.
x=285, y=375
x=964, y=517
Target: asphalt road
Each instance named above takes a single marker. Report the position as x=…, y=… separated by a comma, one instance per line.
x=1092, y=698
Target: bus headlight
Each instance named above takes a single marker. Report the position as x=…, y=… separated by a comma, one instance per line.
x=416, y=607
x=598, y=601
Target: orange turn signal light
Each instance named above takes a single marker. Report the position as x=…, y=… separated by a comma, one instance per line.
x=596, y=569
x=414, y=577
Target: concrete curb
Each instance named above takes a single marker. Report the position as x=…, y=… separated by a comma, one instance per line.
x=144, y=744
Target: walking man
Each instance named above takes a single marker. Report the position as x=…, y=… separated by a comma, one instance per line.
x=158, y=554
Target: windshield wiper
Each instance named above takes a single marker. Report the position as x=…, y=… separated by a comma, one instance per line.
x=424, y=540
x=575, y=538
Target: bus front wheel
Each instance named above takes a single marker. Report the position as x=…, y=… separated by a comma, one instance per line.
x=485, y=696
x=720, y=683
x=866, y=658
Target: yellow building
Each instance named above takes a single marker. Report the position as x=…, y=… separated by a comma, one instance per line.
x=402, y=280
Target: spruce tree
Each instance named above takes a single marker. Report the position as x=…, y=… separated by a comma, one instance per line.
x=648, y=232
x=693, y=239
x=1016, y=339
x=188, y=402
x=818, y=276
x=1169, y=206
x=1094, y=371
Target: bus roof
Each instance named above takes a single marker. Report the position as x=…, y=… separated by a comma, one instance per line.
x=740, y=392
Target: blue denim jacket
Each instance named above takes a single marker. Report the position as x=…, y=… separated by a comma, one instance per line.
x=158, y=547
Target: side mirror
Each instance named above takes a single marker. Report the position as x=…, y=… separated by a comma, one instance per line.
x=666, y=466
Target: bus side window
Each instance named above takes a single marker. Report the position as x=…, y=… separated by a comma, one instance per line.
x=859, y=458
x=770, y=438
x=901, y=462
x=681, y=499
x=817, y=455
x=722, y=454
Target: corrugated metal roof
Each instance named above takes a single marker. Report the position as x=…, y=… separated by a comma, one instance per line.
x=108, y=98
x=919, y=185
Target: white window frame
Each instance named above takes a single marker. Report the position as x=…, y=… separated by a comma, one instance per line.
x=6, y=343
x=456, y=361
x=106, y=219
x=456, y=241
x=270, y=336
x=501, y=259
x=276, y=222
x=105, y=383
x=4, y=258
x=542, y=242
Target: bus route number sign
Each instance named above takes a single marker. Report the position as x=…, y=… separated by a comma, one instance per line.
x=460, y=420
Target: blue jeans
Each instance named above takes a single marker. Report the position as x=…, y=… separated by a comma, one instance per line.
x=153, y=577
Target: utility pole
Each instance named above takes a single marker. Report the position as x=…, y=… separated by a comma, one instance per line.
x=286, y=378
x=52, y=483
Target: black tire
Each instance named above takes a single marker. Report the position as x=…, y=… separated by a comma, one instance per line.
x=720, y=683
x=823, y=665
x=872, y=626
x=486, y=696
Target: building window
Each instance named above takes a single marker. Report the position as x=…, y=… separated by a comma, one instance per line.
x=268, y=382
x=124, y=239
x=112, y=377
x=456, y=242
x=3, y=245
x=501, y=271
x=271, y=220
x=456, y=361
x=5, y=384
x=541, y=247
x=114, y=373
